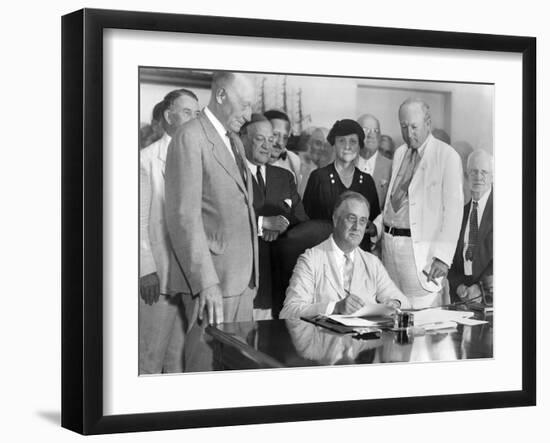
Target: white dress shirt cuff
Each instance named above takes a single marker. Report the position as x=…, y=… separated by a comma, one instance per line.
x=260, y=226
x=330, y=308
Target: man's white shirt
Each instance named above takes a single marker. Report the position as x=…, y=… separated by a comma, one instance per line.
x=367, y=165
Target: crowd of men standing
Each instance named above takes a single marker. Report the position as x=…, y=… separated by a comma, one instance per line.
x=236, y=227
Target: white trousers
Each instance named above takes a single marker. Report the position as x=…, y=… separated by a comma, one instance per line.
x=398, y=258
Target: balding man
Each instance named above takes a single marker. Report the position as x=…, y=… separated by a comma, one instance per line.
x=370, y=160
x=277, y=204
x=209, y=210
x=471, y=275
x=423, y=210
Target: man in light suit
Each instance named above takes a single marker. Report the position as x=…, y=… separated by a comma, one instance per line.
x=277, y=204
x=472, y=269
x=280, y=155
x=370, y=161
x=210, y=215
x=422, y=215
x=160, y=327
x=336, y=276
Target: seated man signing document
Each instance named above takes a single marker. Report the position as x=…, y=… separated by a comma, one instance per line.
x=336, y=276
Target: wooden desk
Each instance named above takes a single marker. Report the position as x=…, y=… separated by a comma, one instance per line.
x=295, y=343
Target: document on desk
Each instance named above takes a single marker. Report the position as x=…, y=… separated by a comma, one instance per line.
x=359, y=319
x=373, y=310
x=354, y=322
x=435, y=316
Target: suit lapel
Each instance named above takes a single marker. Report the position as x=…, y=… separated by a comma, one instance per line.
x=358, y=274
x=487, y=217
x=221, y=153
x=331, y=272
x=459, y=256
x=259, y=199
x=162, y=151
x=418, y=177
x=269, y=181
x=376, y=171
x=272, y=183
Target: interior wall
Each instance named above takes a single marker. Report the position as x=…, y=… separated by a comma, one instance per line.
x=464, y=111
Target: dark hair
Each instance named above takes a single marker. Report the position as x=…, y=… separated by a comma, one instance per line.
x=273, y=114
x=168, y=101
x=172, y=96
x=349, y=195
x=158, y=110
x=346, y=127
x=254, y=118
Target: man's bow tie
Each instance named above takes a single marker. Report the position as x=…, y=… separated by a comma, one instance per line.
x=283, y=155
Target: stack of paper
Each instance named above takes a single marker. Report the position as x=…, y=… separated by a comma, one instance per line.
x=435, y=317
x=354, y=322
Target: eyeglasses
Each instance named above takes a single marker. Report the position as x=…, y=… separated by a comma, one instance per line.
x=361, y=221
x=371, y=131
x=474, y=172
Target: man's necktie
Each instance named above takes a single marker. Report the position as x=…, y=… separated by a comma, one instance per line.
x=238, y=158
x=260, y=180
x=472, y=237
x=403, y=179
x=348, y=272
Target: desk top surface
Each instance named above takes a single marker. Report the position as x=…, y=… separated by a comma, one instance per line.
x=295, y=343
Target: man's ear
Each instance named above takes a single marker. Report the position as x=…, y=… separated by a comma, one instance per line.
x=220, y=95
x=167, y=116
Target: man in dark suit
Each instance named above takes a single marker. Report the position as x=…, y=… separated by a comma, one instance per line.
x=471, y=274
x=210, y=216
x=277, y=203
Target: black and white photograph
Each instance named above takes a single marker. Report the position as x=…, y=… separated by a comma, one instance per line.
x=274, y=221
x=290, y=220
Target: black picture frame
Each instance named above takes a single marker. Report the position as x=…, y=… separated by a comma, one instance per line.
x=82, y=220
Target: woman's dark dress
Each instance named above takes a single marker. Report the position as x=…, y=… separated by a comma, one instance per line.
x=323, y=188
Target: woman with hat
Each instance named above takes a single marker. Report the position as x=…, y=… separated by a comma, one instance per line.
x=327, y=183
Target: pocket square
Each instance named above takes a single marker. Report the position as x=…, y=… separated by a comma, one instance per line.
x=288, y=202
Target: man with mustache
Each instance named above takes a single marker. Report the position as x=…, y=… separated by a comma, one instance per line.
x=280, y=155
